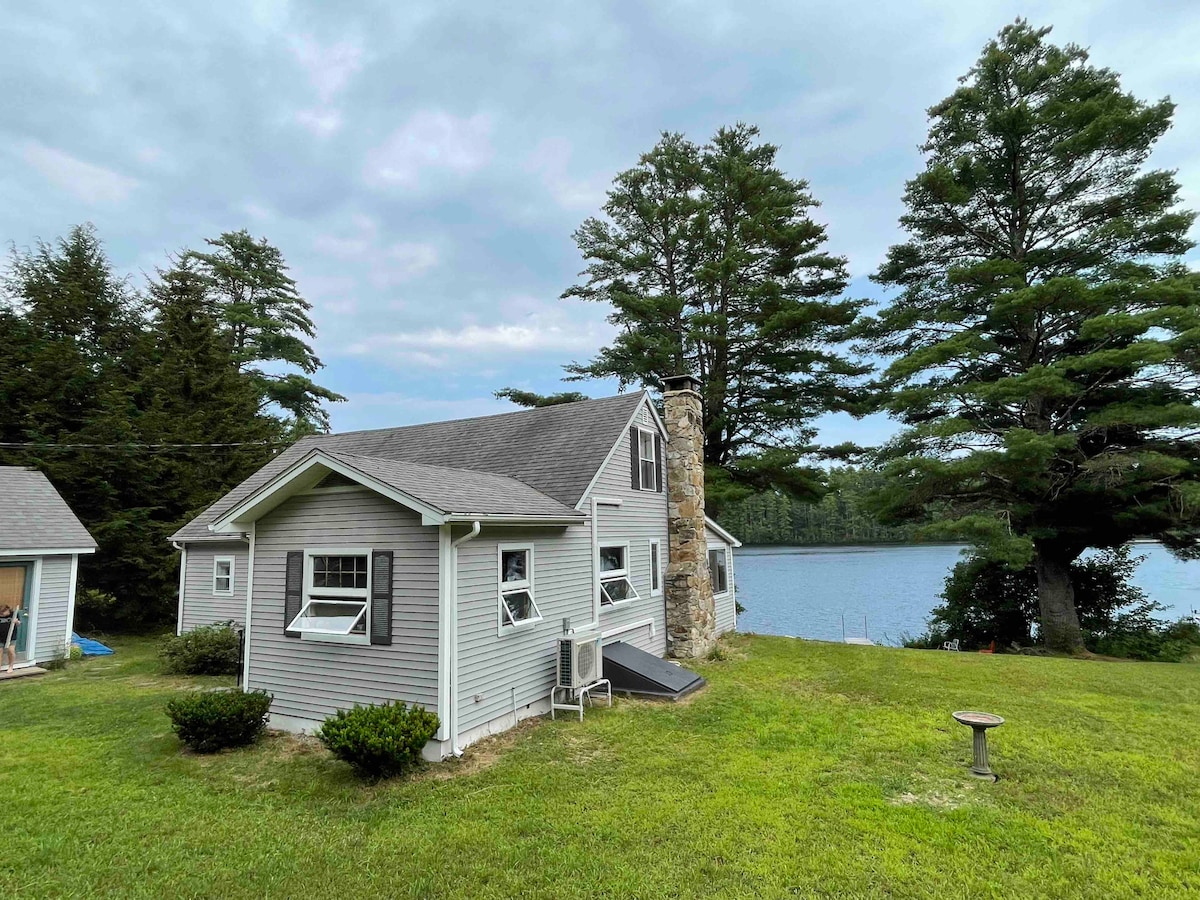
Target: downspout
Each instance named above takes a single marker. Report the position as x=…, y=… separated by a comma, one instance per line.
x=182, y=548
x=249, y=604
x=452, y=700
x=595, y=564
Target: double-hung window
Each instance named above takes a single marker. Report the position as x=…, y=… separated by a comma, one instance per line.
x=718, y=569
x=336, y=596
x=647, y=461
x=222, y=583
x=517, y=606
x=615, y=586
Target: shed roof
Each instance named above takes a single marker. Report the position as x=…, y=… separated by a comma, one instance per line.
x=548, y=456
x=34, y=516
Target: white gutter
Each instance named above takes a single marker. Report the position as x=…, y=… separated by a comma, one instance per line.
x=452, y=700
x=595, y=517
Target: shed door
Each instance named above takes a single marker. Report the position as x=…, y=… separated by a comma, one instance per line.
x=14, y=592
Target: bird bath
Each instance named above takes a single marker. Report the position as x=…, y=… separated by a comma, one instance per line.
x=979, y=723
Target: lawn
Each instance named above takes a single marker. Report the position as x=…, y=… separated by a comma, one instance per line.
x=803, y=769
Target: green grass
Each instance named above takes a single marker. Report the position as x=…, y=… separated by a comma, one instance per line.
x=803, y=769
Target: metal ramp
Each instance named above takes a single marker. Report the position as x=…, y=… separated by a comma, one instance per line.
x=634, y=671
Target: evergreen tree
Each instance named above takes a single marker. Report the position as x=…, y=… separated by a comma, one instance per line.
x=535, y=400
x=713, y=266
x=72, y=378
x=267, y=322
x=1044, y=334
x=193, y=394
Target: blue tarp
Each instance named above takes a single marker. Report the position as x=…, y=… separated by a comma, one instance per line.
x=90, y=647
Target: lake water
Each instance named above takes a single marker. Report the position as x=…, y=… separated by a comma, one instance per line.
x=806, y=591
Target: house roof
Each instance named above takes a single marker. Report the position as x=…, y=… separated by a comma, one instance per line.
x=34, y=516
x=457, y=491
x=547, y=457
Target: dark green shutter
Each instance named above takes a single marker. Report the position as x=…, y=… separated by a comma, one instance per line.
x=293, y=590
x=381, y=597
x=634, y=475
x=658, y=463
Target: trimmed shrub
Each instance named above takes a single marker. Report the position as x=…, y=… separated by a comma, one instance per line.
x=379, y=741
x=209, y=650
x=207, y=721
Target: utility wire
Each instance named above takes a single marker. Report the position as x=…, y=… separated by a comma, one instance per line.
x=138, y=446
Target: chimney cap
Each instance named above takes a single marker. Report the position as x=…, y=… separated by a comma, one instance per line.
x=681, y=383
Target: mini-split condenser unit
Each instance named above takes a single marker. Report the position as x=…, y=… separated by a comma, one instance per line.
x=580, y=660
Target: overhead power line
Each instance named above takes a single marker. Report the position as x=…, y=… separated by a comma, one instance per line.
x=8, y=445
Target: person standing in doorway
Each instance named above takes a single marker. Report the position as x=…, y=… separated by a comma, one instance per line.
x=10, y=623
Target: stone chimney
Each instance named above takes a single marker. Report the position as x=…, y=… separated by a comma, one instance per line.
x=691, y=613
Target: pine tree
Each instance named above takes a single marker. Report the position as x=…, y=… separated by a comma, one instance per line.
x=267, y=324
x=73, y=379
x=714, y=267
x=1044, y=336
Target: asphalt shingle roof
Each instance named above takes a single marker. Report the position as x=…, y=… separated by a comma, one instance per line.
x=554, y=450
x=34, y=516
x=458, y=490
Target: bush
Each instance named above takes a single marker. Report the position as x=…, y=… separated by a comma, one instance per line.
x=209, y=650
x=379, y=741
x=985, y=601
x=207, y=721
x=94, y=610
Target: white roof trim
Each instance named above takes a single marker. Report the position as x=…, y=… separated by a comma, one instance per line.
x=516, y=519
x=722, y=533
x=267, y=497
x=585, y=497
x=43, y=551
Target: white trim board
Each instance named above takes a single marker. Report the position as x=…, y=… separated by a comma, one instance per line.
x=53, y=551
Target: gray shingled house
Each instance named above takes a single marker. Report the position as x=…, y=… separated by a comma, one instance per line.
x=436, y=564
x=40, y=545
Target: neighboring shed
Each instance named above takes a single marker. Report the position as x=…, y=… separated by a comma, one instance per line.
x=41, y=541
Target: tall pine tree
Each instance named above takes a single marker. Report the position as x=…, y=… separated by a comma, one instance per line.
x=267, y=325
x=713, y=266
x=1045, y=335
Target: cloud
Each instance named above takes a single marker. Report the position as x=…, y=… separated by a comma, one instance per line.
x=539, y=333
x=549, y=161
x=431, y=140
x=321, y=122
x=90, y=183
x=329, y=67
x=385, y=264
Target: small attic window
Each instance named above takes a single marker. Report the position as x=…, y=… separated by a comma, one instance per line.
x=335, y=479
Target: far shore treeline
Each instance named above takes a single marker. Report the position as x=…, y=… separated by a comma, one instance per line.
x=1038, y=347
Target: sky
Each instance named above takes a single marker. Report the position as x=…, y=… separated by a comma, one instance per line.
x=423, y=166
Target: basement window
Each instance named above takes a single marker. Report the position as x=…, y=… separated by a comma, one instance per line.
x=517, y=606
x=615, y=586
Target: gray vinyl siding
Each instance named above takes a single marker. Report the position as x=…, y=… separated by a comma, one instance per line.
x=53, y=601
x=726, y=604
x=200, y=605
x=490, y=665
x=310, y=679
x=641, y=517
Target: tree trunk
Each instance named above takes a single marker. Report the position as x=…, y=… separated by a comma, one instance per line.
x=1056, y=600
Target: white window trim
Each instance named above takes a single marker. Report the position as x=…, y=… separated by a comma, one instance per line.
x=653, y=460
x=307, y=595
x=656, y=572
x=503, y=625
x=614, y=574
x=728, y=569
x=217, y=560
